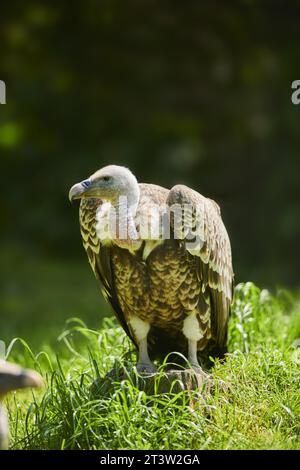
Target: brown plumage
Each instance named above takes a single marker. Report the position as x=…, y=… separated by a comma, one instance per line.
x=168, y=294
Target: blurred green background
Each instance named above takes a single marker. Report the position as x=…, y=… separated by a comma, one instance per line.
x=181, y=92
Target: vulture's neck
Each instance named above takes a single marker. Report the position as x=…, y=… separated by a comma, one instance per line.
x=116, y=221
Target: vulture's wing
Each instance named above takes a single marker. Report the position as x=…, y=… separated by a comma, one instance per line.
x=99, y=257
x=207, y=240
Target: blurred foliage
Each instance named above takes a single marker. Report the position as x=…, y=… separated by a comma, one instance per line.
x=192, y=92
x=38, y=295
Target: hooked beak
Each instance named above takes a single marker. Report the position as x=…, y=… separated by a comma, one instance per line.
x=80, y=190
x=76, y=192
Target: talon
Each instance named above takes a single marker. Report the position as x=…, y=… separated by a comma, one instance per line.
x=196, y=368
x=146, y=369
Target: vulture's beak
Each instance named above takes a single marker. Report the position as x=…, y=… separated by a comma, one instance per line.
x=77, y=191
x=13, y=377
x=87, y=188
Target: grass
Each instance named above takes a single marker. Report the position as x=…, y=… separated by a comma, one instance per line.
x=260, y=409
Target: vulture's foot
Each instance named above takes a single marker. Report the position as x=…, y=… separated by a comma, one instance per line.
x=145, y=368
x=198, y=370
x=203, y=378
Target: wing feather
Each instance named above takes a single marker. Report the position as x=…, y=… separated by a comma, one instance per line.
x=212, y=251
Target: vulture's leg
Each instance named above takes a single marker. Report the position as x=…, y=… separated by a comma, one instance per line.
x=141, y=330
x=144, y=364
x=193, y=334
x=192, y=355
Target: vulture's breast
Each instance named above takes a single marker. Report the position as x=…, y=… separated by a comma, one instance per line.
x=160, y=289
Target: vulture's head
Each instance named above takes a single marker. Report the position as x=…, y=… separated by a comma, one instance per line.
x=108, y=184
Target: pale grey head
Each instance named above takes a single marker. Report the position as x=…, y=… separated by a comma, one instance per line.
x=109, y=184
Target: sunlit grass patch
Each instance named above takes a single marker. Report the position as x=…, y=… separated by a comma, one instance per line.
x=260, y=408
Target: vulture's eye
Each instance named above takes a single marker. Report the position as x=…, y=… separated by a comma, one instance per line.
x=86, y=183
x=106, y=178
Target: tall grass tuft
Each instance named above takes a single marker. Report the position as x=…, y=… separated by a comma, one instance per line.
x=260, y=408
